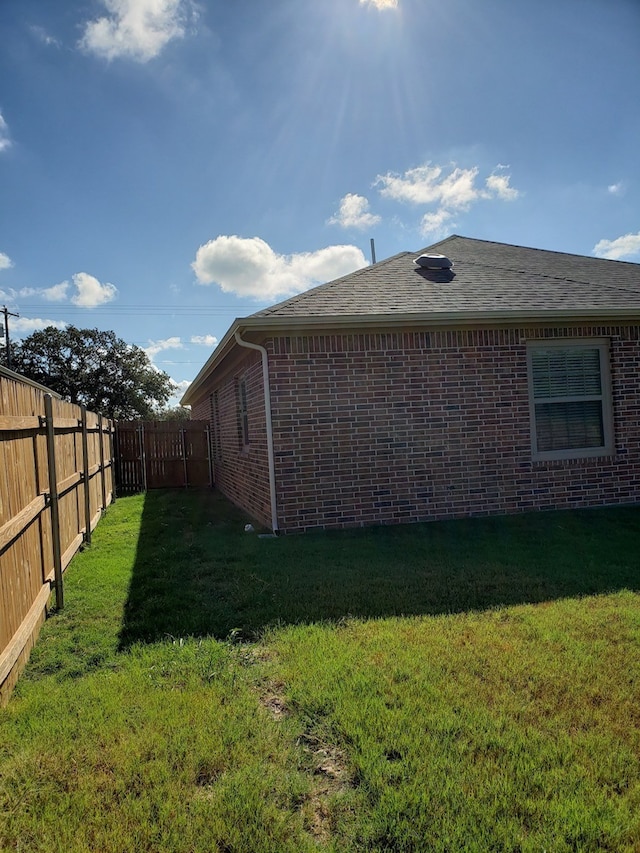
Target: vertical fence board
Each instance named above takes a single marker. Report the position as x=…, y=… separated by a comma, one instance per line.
x=53, y=500
x=103, y=481
x=86, y=493
x=32, y=470
x=162, y=455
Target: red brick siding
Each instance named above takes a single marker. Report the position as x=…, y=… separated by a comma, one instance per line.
x=241, y=473
x=385, y=428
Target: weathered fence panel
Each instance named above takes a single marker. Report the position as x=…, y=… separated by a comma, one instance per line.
x=43, y=519
x=162, y=455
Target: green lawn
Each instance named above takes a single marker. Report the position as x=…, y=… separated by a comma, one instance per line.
x=470, y=685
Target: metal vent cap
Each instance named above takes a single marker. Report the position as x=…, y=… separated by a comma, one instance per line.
x=434, y=262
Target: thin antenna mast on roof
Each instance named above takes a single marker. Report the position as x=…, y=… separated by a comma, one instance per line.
x=373, y=251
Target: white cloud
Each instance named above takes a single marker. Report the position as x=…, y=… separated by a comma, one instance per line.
x=55, y=293
x=179, y=389
x=250, y=267
x=499, y=186
x=43, y=36
x=427, y=185
x=21, y=326
x=135, y=29
x=450, y=191
x=456, y=190
x=89, y=291
x=5, y=261
x=354, y=213
x=618, y=249
x=159, y=346
x=381, y=4
x=5, y=141
x=204, y=340
x=616, y=189
x=436, y=224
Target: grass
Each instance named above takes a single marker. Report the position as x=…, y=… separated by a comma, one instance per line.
x=470, y=685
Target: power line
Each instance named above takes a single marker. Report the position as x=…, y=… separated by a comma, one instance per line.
x=133, y=309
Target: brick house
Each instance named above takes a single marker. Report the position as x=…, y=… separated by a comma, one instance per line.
x=413, y=391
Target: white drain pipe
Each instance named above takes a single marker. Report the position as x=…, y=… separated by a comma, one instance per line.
x=267, y=412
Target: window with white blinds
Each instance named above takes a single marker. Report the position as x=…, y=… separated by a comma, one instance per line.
x=570, y=399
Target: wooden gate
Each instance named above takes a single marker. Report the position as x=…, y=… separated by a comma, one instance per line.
x=162, y=455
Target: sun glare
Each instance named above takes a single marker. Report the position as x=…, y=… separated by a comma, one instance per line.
x=381, y=4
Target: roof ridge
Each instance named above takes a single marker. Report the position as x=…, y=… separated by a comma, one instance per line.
x=495, y=261
x=536, y=249
x=446, y=240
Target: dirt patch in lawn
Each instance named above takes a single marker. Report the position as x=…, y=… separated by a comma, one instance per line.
x=330, y=777
x=325, y=763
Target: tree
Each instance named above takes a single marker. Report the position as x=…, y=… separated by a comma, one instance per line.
x=173, y=413
x=94, y=368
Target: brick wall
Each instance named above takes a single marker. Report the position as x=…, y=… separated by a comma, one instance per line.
x=240, y=472
x=386, y=428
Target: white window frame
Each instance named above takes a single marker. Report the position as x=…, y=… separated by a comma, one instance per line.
x=608, y=447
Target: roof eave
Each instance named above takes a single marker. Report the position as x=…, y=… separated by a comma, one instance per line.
x=292, y=324
x=222, y=349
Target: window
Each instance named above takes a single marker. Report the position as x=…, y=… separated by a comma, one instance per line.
x=570, y=397
x=244, y=413
x=215, y=421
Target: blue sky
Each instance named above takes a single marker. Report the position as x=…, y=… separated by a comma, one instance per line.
x=168, y=165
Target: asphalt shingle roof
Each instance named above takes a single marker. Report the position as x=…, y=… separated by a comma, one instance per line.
x=486, y=276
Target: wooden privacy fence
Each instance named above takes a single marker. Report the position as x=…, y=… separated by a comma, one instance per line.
x=162, y=455
x=56, y=478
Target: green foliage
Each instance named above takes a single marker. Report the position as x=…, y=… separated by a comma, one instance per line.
x=94, y=368
x=173, y=413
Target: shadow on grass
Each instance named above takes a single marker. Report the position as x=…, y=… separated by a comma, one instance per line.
x=198, y=573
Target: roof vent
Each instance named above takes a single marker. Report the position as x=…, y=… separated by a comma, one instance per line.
x=434, y=262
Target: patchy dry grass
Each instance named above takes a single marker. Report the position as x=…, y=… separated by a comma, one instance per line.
x=463, y=686
x=513, y=729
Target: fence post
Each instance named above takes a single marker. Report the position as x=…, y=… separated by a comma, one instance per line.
x=53, y=499
x=104, y=487
x=184, y=457
x=117, y=458
x=87, y=481
x=143, y=459
x=112, y=452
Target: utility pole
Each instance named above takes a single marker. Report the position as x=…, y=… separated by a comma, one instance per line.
x=7, y=343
